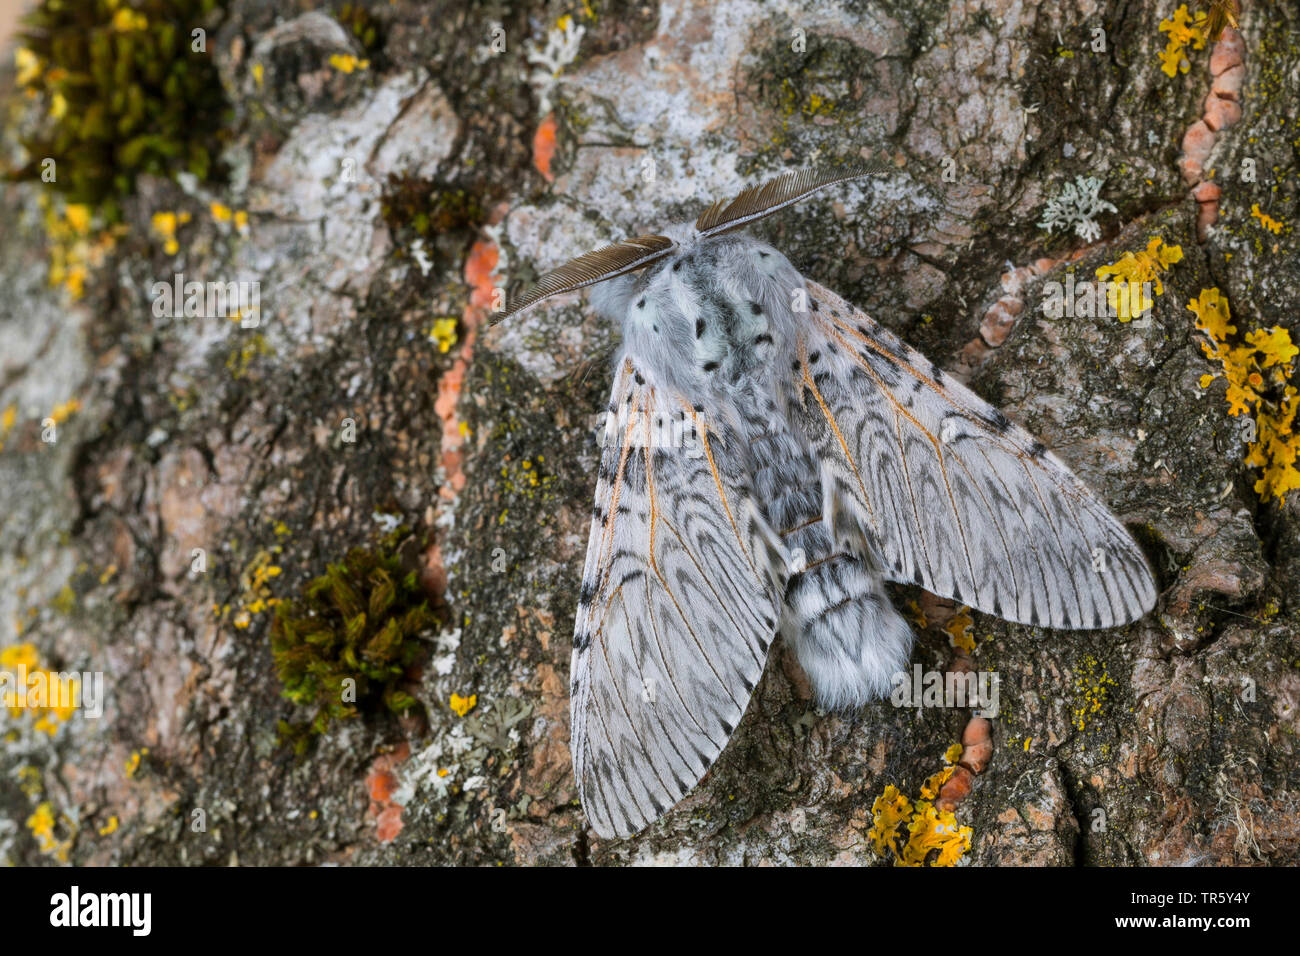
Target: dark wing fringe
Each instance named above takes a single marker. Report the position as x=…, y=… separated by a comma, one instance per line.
x=593, y=267
x=759, y=201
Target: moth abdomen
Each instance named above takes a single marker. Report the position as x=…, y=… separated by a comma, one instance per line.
x=845, y=632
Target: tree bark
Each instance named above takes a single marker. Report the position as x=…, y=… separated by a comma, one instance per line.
x=1171, y=741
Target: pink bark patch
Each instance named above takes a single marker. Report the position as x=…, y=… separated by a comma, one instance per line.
x=544, y=142
x=390, y=824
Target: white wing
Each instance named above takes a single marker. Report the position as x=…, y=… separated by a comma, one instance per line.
x=947, y=493
x=677, y=612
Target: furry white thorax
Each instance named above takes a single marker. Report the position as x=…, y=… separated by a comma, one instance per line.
x=714, y=316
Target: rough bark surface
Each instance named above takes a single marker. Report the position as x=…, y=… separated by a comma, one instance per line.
x=1172, y=741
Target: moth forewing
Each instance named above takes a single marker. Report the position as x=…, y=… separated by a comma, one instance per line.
x=674, y=603
x=954, y=496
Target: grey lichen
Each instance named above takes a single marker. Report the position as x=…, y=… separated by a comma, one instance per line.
x=1077, y=205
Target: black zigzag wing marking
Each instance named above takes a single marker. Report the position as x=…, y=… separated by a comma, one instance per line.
x=948, y=493
x=676, y=614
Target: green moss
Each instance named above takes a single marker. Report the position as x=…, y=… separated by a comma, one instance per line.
x=65, y=602
x=445, y=217
x=420, y=206
x=123, y=93
x=244, y=354
x=365, y=26
x=360, y=621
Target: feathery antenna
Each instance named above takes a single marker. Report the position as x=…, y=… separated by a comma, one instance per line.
x=630, y=254
x=763, y=200
x=593, y=267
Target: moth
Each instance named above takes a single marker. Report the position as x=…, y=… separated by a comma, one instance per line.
x=773, y=457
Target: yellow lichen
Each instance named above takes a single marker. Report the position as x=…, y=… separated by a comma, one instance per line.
x=241, y=359
x=934, y=782
x=8, y=418
x=165, y=225
x=255, y=588
x=132, y=766
x=931, y=830
x=444, y=333
x=928, y=830
x=1092, y=682
x=887, y=813
x=1265, y=220
x=1185, y=30
x=29, y=781
x=959, y=628
x=65, y=410
x=1258, y=375
x=463, y=705
x=77, y=216
x=346, y=62
x=29, y=66
x=125, y=20
x=74, y=246
x=528, y=480
x=42, y=694
x=1131, y=271
x=224, y=214
x=42, y=825
x=916, y=615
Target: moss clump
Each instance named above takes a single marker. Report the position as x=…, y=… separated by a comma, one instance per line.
x=344, y=647
x=124, y=92
x=411, y=204
x=368, y=29
x=445, y=217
